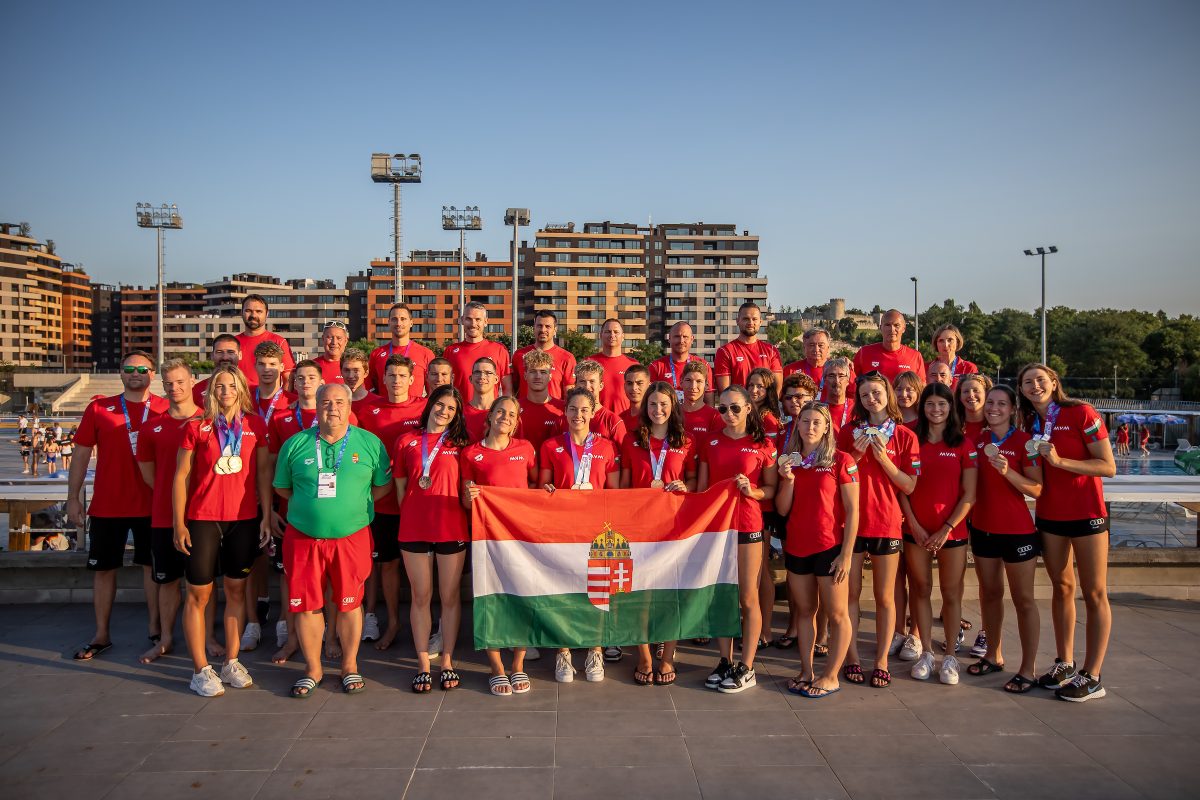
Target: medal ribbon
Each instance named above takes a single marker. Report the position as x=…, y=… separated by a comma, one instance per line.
x=789, y=430
x=999, y=442
x=656, y=464
x=887, y=429
x=337, y=464
x=426, y=456
x=809, y=459
x=1051, y=418
x=229, y=437
x=583, y=464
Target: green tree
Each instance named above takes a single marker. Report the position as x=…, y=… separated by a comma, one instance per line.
x=646, y=352
x=846, y=327
x=579, y=344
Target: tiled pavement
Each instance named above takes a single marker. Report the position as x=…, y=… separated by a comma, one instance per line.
x=119, y=730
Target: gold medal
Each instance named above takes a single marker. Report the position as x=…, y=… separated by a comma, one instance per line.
x=425, y=482
x=873, y=432
x=990, y=450
x=585, y=486
x=222, y=465
x=656, y=484
x=235, y=464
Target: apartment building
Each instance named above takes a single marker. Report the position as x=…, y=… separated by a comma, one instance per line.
x=299, y=307
x=106, y=327
x=139, y=313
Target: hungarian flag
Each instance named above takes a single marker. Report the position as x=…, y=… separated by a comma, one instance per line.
x=605, y=567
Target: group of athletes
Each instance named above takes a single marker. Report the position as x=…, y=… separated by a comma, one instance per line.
x=47, y=445
x=338, y=470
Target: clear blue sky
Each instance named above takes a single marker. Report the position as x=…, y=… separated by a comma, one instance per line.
x=865, y=142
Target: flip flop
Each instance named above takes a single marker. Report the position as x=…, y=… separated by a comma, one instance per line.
x=422, y=683
x=349, y=681
x=785, y=642
x=853, y=674
x=643, y=678
x=92, y=650
x=816, y=692
x=797, y=686
x=1019, y=684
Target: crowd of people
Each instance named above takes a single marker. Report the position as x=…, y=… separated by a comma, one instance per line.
x=338, y=471
x=44, y=446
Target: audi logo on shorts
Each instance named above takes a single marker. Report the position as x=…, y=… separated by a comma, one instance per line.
x=893, y=542
x=1023, y=549
x=1096, y=523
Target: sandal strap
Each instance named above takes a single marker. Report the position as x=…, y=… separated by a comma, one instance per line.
x=499, y=680
x=518, y=677
x=449, y=675
x=305, y=683
x=353, y=677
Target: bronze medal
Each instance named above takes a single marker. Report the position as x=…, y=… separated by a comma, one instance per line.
x=425, y=482
x=656, y=484
x=990, y=450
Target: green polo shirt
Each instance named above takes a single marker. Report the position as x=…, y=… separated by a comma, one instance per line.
x=364, y=465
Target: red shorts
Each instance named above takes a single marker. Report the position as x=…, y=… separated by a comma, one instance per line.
x=308, y=563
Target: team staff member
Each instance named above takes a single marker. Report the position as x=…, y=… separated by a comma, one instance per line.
x=221, y=481
x=838, y=380
x=735, y=360
x=669, y=368
x=658, y=454
x=1003, y=538
x=226, y=349
x=818, y=491
x=432, y=524
x=354, y=372
x=935, y=525
x=400, y=324
x=562, y=362
x=158, y=446
x=741, y=452
x=615, y=363
x=484, y=380
x=396, y=414
x=590, y=375
x=120, y=498
x=461, y=356
x=1073, y=519
x=889, y=461
x=889, y=356
x=579, y=459
x=330, y=477
x=816, y=356
x=939, y=372
x=948, y=341
x=699, y=418
x=542, y=416
x=500, y=459
x=334, y=339
x=254, y=332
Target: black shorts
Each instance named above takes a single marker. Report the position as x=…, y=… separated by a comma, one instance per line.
x=775, y=524
x=1012, y=547
x=168, y=564
x=876, y=546
x=231, y=546
x=108, y=537
x=384, y=530
x=750, y=537
x=433, y=548
x=1072, y=528
x=819, y=564
x=949, y=542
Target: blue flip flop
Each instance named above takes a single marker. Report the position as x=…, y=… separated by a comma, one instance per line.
x=807, y=691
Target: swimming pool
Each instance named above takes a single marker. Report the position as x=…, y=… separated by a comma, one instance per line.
x=1147, y=466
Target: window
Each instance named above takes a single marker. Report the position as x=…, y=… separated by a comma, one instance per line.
x=683, y=245
x=543, y=242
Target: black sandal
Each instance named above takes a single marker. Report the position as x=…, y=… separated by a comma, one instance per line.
x=820, y=650
x=984, y=667
x=92, y=650
x=643, y=678
x=447, y=677
x=881, y=679
x=664, y=678
x=422, y=682
x=853, y=674
x=1019, y=684
x=785, y=642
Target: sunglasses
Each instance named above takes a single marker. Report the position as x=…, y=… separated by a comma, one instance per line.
x=873, y=374
x=336, y=324
x=725, y=409
x=129, y=370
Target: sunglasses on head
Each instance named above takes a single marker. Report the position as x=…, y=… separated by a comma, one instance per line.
x=873, y=374
x=725, y=409
x=336, y=324
x=129, y=369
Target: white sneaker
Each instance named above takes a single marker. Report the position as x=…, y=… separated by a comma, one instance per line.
x=924, y=667
x=533, y=654
x=236, y=675
x=911, y=649
x=251, y=636
x=206, y=683
x=281, y=633
x=370, y=631
x=564, y=670
x=897, y=642
x=435, y=645
x=593, y=667
x=949, y=672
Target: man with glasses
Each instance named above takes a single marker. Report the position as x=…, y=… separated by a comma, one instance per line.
x=670, y=367
x=888, y=356
x=837, y=392
x=736, y=360
x=400, y=323
x=254, y=332
x=816, y=353
x=120, y=498
x=562, y=362
x=334, y=339
x=226, y=349
x=463, y=355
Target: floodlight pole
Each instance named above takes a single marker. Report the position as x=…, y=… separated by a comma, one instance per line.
x=466, y=219
x=1043, y=252
x=515, y=217
x=161, y=218
x=396, y=169
x=916, y=317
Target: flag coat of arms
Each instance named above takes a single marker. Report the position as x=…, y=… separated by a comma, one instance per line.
x=587, y=568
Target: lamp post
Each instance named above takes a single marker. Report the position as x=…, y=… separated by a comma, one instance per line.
x=461, y=220
x=1043, y=252
x=165, y=217
x=916, y=317
x=515, y=217
x=396, y=169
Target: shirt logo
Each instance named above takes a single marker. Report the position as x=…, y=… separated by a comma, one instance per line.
x=158, y=429
x=112, y=408
x=354, y=458
x=713, y=442
x=295, y=602
x=375, y=410
x=479, y=457
x=413, y=443
x=740, y=359
x=308, y=462
x=206, y=428
x=874, y=363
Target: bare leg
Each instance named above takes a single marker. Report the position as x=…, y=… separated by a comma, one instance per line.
x=450, y=569
x=803, y=589
x=1020, y=586
x=235, y=615
x=952, y=563
x=766, y=592
x=168, y=611
x=310, y=630
x=1056, y=555
x=854, y=607
x=350, y=631
x=150, y=589
x=991, y=604
x=834, y=598
x=419, y=568
x=749, y=572
x=389, y=578
x=883, y=581
x=104, y=592
x=214, y=648
x=194, y=624
x=1091, y=554
x=919, y=569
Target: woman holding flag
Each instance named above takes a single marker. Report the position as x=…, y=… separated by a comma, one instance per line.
x=658, y=454
x=221, y=483
x=425, y=467
x=500, y=459
x=578, y=460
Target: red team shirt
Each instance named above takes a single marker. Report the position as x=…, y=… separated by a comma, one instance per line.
x=418, y=353
x=389, y=421
x=363, y=406
x=462, y=357
x=1000, y=506
x=842, y=415
x=476, y=421
x=433, y=514
x=959, y=368
x=660, y=370
x=1068, y=495
x=562, y=371
x=873, y=358
x=728, y=457
x=940, y=487
x=737, y=359
x=119, y=490
x=605, y=423
x=248, y=343
x=287, y=422
x=612, y=393
x=159, y=445
x=879, y=511
x=331, y=371
x=701, y=422
x=223, y=498
x=555, y=456
x=635, y=458
x=816, y=521
x=540, y=421
x=514, y=467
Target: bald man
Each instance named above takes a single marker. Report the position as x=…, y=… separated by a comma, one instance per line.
x=888, y=356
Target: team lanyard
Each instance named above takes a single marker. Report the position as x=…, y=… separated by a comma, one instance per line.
x=270, y=406
x=128, y=422
x=337, y=464
x=300, y=420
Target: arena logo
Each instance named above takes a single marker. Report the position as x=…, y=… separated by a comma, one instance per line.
x=295, y=602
